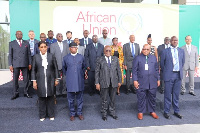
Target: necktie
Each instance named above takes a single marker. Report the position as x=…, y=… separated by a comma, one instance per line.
x=133, y=50
x=176, y=64
x=20, y=43
x=68, y=41
x=96, y=46
x=109, y=65
x=85, y=42
x=32, y=48
x=189, y=50
x=60, y=45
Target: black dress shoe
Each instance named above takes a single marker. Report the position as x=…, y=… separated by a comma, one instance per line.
x=178, y=115
x=182, y=93
x=114, y=117
x=27, y=95
x=192, y=93
x=161, y=91
x=15, y=96
x=166, y=116
x=104, y=118
x=128, y=91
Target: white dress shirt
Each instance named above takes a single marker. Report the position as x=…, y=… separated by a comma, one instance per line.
x=131, y=47
x=107, y=59
x=60, y=44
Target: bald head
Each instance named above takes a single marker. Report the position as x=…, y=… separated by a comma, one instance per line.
x=132, y=38
x=174, y=41
x=146, y=49
x=43, y=37
x=107, y=51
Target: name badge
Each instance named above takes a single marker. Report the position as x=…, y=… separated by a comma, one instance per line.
x=146, y=67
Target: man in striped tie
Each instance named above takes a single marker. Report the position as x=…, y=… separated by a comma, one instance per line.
x=171, y=62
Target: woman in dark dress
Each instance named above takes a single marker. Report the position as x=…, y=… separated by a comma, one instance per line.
x=45, y=77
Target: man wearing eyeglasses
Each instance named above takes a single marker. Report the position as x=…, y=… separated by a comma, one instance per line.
x=105, y=40
x=146, y=80
x=60, y=49
x=171, y=62
x=107, y=79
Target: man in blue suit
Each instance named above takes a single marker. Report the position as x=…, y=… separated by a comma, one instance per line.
x=92, y=52
x=146, y=80
x=171, y=62
x=86, y=40
x=74, y=68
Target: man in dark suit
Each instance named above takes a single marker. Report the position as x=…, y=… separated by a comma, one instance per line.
x=33, y=48
x=19, y=59
x=146, y=80
x=160, y=49
x=69, y=37
x=60, y=49
x=130, y=51
x=92, y=52
x=86, y=40
x=171, y=62
x=50, y=39
x=74, y=68
x=108, y=78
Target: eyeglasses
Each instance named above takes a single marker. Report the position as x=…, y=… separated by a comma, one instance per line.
x=145, y=49
x=105, y=33
x=60, y=36
x=108, y=50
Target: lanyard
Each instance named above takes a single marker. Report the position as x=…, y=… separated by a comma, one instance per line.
x=146, y=59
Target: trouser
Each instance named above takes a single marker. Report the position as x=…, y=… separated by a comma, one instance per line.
x=191, y=80
x=71, y=99
x=16, y=73
x=146, y=100
x=172, y=91
x=104, y=93
x=46, y=106
x=128, y=75
x=91, y=79
x=61, y=87
x=162, y=83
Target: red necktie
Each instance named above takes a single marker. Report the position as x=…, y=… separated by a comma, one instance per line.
x=20, y=43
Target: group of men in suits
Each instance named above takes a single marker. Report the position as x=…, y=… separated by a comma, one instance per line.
x=173, y=64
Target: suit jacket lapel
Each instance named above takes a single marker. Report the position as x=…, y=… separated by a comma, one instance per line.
x=179, y=56
x=170, y=54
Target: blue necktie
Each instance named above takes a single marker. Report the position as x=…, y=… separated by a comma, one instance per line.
x=109, y=65
x=85, y=42
x=133, y=50
x=176, y=63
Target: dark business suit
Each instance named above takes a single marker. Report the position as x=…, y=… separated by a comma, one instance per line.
x=46, y=98
x=35, y=51
x=159, y=50
x=91, y=55
x=128, y=60
x=68, y=41
x=108, y=77
x=82, y=42
x=172, y=78
x=55, y=50
x=147, y=79
x=19, y=58
x=74, y=68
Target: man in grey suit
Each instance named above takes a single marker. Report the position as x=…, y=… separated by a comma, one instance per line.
x=130, y=51
x=60, y=49
x=81, y=49
x=160, y=49
x=19, y=59
x=108, y=78
x=190, y=66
